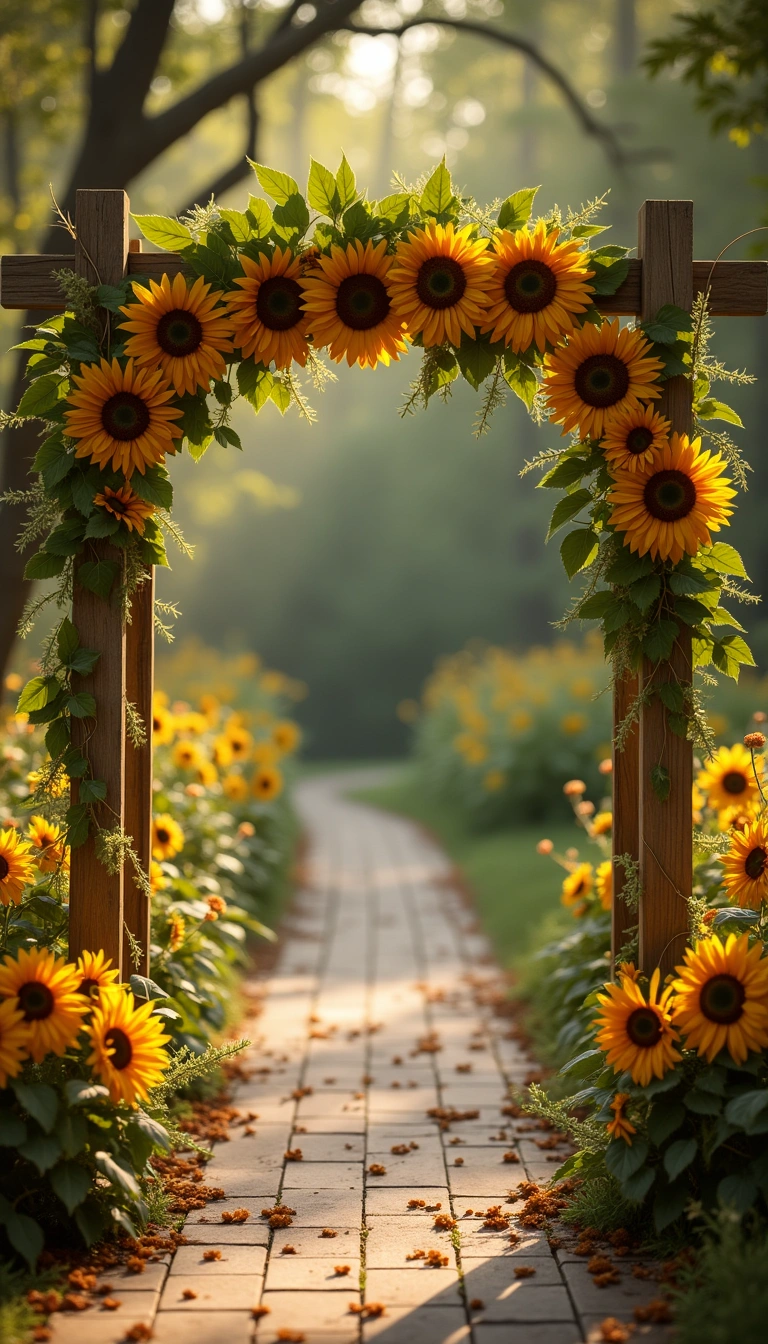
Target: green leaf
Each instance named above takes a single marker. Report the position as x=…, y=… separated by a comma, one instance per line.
x=165, y=232
x=25, y=1236
x=93, y=791
x=678, y=1156
x=277, y=185
x=636, y=1187
x=623, y=1159
x=565, y=473
x=82, y=705
x=37, y=692
x=516, y=210
x=153, y=1130
x=78, y=824
x=83, y=661
x=660, y=782
x=43, y=1150
x=101, y=524
x=78, y=1091
x=395, y=208
x=644, y=592
x=703, y=1103
x=444, y=369
x=42, y=565
x=260, y=216
x=67, y=640
x=738, y=1191
x=358, y=221
x=154, y=487
x=345, y=183
x=13, y=1131
x=91, y=1222
x=730, y=653
x=690, y=611
x=672, y=695
x=520, y=377
x=72, y=1132
x=712, y=409
x=608, y=278
x=664, y=1119
x=119, y=1173
x=437, y=198
x=53, y=460
x=669, y=1204
x=567, y=508
x=226, y=437
x=38, y=1100
x=41, y=396
x=596, y=606
x=745, y=1110
x=725, y=559
x=578, y=550
x=98, y=576
x=660, y=640
x=293, y=217
x=581, y=1066
x=238, y=222
x=280, y=395
x=667, y=324
x=322, y=192
x=71, y=1183
x=145, y=989
x=476, y=359
x=627, y=568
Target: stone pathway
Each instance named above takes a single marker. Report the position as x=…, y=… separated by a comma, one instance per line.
x=381, y=964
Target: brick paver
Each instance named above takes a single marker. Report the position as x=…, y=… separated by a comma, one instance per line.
x=373, y=1016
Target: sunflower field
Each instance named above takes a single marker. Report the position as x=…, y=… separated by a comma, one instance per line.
x=672, y=1076
x=89, y=1068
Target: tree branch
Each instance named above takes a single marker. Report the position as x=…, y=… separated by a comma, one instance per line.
x=613, y=148
x=135, y=62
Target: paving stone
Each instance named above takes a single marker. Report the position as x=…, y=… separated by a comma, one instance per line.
x=481, y=1172
x=390, y=1240
x=150, y=1281
x=217, y=1292
x=302, y=1272
x=613, y=1300
x=313, y=1312
x=325, y=1175
x=209, y=1327
x=324, y=1208
x=478, y=1243
x=412, y=1287
x=645, y=1334
x=411, y=1170
x=134, y=1307
x=190, y=1260
x=330, y=1147
x=525, y=1300
x=213, y=1211
x=491, y=1279
x=560, y=1333
x=393, y=1199
x=424, y=1325
x=310, y=1241
x=234, y=1234
x=331, y=1124
x=98, y=1327
x=339, y=1104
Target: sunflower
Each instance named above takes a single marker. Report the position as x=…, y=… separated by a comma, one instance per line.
x=177, y=932
x=48, y=839
x=721, y=997
x=620, y=1127
x=13, y=1041
x=728, y=778
x=267, y=311
x=192, y=721
x=601, y=372
x=235, y=788
x=602, y=823
x=604, y=883
x=635, y=1033
x=210, y=706
x=127, y=1046
x=163, y=724
x=180, y=329
x=207, y=774
x=46, y=990
x=577, y=885
x=632, y=437
x=17, y=865
x=473, y=749
x=439, y=282
x=267, y=783
x=167, y=837
x=125, y=506
x=157, y=879
x=93, y=968
x=745, y=866
x=121, y=416
x=187, y=755
x=669, y=505
x=350, y=308
x=222, y=751
x=536, y=287
x=265, y=752
x=286, y=736
x=239, y=739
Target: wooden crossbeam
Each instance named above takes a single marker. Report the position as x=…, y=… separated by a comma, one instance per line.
x=737, y=288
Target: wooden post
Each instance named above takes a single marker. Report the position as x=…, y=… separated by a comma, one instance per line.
x=665, y=245
x=96, y=896
x=626, y=807
x=139, y=686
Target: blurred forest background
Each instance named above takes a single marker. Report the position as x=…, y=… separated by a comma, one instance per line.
x=353, y=552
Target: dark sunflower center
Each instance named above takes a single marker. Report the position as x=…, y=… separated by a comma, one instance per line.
x=362, y=302
x=87, y=987
x=602, y=380
x=125, y=416
x=669, y=495
x=639, y=439
x=722, y=999
x=441, y=282
x=35, y=1001
x=735, y=782
x=179, y=333
x=5, y=868
x=577, y=891
x=162, y=835
x=530, y=286
x=157, y=725
x=117, y=505
x=117, y=1041
x=754, y=864
x=644, y=1028
x=278, y=303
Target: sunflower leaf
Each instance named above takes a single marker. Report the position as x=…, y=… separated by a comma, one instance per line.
x=724, y=558
x=239, y=224
x=660, y=782
x=43, y=565
x=38, y=1100
x=712, y=409
x=277, y=185
x=118, y=1173
x=71, y=1183
x=345, y=183
x=623, y=1160
x=41, y=396
x=259, y=217
x=322, y=191
x=567, y=508
x=516, y=210
x=578, y=550
x=25, y=1236
x=520, y=377
x=678, y=1156
x=595, y=606
x=669, y=1204
x=609, y=275
x=660, y=640
x=98, y=576
x=170, y=234
x=437, y=198
x=476, y=359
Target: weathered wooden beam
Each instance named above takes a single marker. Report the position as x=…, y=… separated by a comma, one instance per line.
x=737, y=288
x=139, y=679
x=626, y=804
x=666, y=842
x=96, y=895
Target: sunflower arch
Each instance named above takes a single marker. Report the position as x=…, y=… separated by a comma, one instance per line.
x=149, y=352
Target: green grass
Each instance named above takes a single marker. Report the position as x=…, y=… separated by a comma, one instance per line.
x=514, y=887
